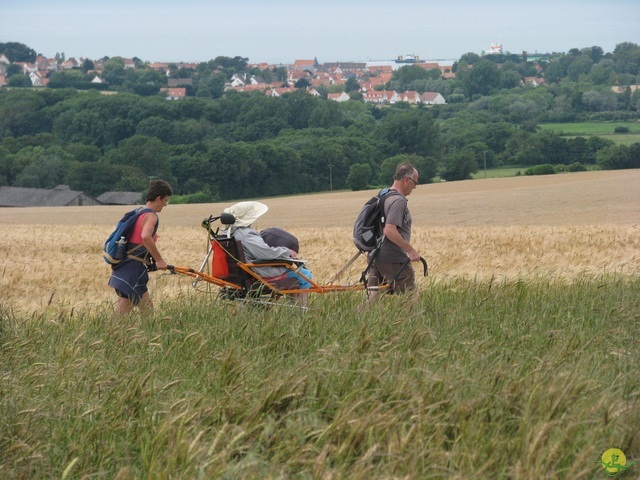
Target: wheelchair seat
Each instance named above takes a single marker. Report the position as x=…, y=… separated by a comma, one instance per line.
x=228, y=254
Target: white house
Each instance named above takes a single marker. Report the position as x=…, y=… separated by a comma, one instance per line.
x=432, y=98
x=338, y=97
x=36, y=79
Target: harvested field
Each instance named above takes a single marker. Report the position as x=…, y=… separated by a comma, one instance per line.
x=563, y=226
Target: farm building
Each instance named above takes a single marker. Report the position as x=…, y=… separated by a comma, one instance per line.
x=61, y=196
x=121, y=198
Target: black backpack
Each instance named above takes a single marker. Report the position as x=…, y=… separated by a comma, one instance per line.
x=368, y=227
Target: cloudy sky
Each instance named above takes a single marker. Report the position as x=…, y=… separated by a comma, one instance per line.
x=281, y=31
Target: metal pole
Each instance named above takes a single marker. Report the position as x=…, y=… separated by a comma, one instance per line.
x=331, y=177
x=485, y=164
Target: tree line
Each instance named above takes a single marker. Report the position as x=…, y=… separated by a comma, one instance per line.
x=243, y=145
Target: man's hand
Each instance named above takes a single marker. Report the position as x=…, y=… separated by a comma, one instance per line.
x=161, y=265
x=393, y=235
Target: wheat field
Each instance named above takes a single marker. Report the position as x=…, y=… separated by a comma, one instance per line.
x=558, y=226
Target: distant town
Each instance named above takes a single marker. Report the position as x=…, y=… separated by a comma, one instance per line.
x=337, y=81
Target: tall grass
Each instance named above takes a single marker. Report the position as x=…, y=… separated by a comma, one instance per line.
x=527, y=379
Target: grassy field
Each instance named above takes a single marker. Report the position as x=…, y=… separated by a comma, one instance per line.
x=604, y=129
x=499, y=172
x=518, y=361
x=485, y=380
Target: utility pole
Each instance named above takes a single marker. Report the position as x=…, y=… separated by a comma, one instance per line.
x=485, y=163
x=330, y=177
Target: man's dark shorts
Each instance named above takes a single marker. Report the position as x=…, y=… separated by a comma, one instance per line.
x=405, y=282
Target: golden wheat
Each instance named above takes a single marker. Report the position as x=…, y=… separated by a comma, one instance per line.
x=562, y=226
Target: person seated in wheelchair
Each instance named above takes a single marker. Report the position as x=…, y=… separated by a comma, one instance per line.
x=256, y=249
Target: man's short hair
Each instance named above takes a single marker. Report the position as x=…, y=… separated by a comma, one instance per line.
x=404, y=170
x=158, y=188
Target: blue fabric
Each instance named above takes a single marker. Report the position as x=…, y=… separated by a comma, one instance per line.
x=130, y=278
x=303, y=283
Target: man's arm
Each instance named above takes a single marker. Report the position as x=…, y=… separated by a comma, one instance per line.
x=391, y=232
x=148, y=227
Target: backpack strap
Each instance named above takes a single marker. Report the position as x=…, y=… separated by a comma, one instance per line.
x=138, y=251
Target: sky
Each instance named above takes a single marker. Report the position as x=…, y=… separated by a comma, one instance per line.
x=283, y=31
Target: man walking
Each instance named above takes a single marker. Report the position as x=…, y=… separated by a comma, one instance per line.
x=396, y=246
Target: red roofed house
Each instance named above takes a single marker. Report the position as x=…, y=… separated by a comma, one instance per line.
x=429, y=65
x=338, y=97
x=432, y=98
x=311, y=65
x=533, y=81
x=278, y=92
x=410, y=97
x=174, y=93
x=380, y=96
x=377, y=69
x=69, y=63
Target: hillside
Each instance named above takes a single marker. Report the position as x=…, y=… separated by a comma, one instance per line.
x=568, y=199
x=560, y=226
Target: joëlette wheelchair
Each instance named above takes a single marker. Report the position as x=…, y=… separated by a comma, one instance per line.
x=225, y=266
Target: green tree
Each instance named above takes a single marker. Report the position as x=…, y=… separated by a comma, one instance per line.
x=7, y=169
x=236, y=64
x=187, y=131
x=203, y=91
x=87, y=65
x=302, y=83
x=523, y=148
x=157, y=127
x=19, y=81
x=595, y=101
x=113, y=71
x=626, y=56
x=148, y=154
x=614, y=157
x=407, y=75
x=481, y=79
x=98, y=177
x=510, y=79
x=410, y=131
x=470, y=58
x=18, y=52
x=603, y=73
x=426, y=167
x=67, y=77
x=458, y=166
x=581, y=66
x=300, y=106
x=82, y=152
x=326, y=114
x=47, y=170
x=192, y=171
x=80, y=126
x=359, y=176
x=554, y=72
x=352, y=85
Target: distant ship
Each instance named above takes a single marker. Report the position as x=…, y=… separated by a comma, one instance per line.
x=408, y=59
x=494, y=48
